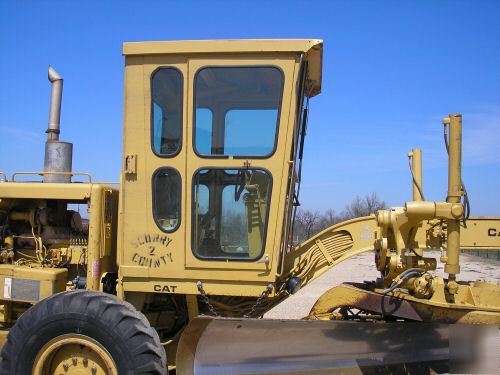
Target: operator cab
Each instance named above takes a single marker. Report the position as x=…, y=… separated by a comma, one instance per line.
x=212, y=140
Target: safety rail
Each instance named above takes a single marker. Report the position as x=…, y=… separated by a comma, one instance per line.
x=88, y=175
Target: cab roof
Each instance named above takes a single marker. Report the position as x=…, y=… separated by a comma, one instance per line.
x=312, y=49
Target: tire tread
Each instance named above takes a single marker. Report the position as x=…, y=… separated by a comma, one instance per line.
x=131, y=326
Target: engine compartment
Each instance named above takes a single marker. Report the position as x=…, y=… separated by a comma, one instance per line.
x=44, y=234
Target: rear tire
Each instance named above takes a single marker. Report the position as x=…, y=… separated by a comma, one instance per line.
x=93, y=324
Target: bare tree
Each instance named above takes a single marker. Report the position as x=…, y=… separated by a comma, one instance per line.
x=308, y=223
x=327, y=219
x=370, y=204
x=305, y=224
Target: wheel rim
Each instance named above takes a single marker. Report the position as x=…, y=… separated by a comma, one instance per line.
x=74, y=354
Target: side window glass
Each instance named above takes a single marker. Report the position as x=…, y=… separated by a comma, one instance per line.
x=244, y=104
x=201, y=199
x=166, y=111
x=233, y=233
x=250, y=131
x=167, y=199
x=230, y=213
x=204, y=120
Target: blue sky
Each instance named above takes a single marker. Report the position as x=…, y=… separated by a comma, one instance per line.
x=392, y=70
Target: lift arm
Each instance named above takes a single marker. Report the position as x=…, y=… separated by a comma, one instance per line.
x=318, y=254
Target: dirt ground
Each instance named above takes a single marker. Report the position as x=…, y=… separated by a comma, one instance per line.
x=361, y=268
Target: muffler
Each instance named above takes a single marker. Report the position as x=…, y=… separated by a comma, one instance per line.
x=58, y=154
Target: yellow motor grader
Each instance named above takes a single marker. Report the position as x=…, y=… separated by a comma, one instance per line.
x=103, y=278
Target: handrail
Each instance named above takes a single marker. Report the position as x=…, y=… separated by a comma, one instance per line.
x=88, y=175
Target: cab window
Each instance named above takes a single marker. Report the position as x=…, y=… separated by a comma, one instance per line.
x=166, y=111
x=167, y=199
x=230, y=209
x=237, y=111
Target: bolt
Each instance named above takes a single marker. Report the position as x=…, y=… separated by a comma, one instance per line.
x=65, y=366
x=94, y=369
x=74, y=360
x=85, y=362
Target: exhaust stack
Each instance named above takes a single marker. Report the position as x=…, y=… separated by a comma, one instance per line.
x=58, y=155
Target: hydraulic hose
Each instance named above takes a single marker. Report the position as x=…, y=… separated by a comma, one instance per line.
x=402, y=277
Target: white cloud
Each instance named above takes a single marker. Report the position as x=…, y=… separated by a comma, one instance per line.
x=20, y=134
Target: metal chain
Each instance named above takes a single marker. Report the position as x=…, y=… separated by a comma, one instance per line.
x=259, y=301
x=205, y=299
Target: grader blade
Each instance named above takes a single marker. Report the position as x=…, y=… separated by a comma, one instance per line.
x=256, y=346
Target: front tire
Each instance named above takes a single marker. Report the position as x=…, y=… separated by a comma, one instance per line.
x=83, y=332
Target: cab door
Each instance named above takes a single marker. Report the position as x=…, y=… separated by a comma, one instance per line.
x=236, y=162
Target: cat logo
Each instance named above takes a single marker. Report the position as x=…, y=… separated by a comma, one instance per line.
x=492, y=232
x=165, y=288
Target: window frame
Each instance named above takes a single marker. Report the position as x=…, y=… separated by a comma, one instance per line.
x=181, y=117
x=193, y=216
x=153, y=196
x=276, y=137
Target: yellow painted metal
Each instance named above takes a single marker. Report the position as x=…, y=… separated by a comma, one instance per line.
x=49, y=281
x=96, y=254
x=342, y=241
x=260, y=271
x=313, y=48
x=318, y=254
x=399, y=250
x=179, y=266
x=416, y=171
x=476, y=303
x=402, y=235
x=455, y=192
x=186, y=47
x=37, y=190
x=192, y=305
x=481, y=233
x=74, y=354
x=96, y=237
x=3, y=336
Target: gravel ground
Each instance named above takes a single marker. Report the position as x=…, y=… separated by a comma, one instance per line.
x=362, y=268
